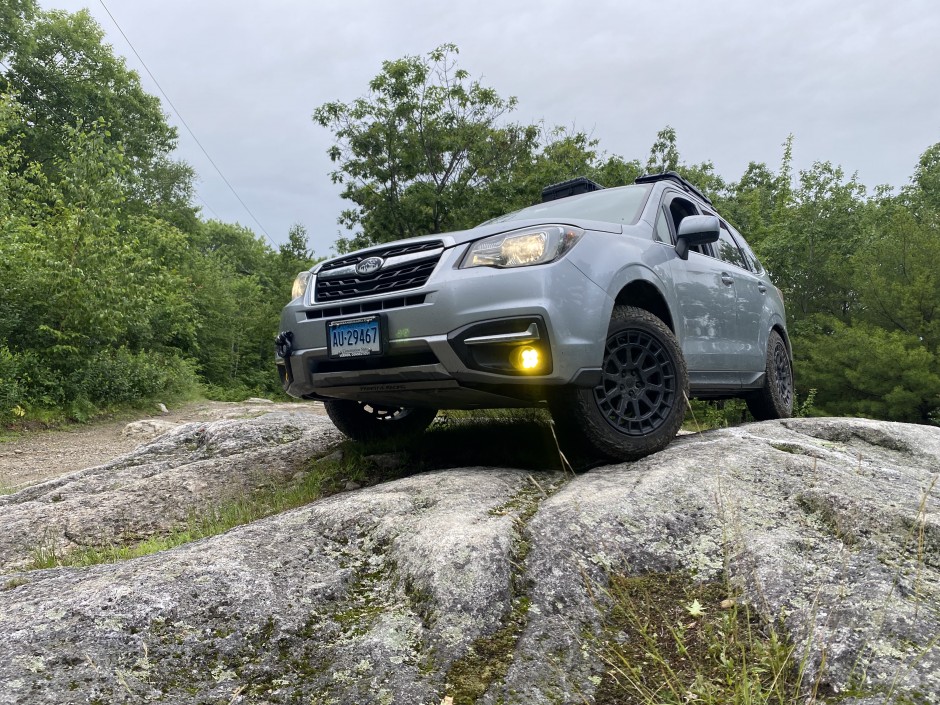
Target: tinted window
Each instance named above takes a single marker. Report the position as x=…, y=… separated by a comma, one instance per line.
x=752, y=262
x=615, y=205
x=679, y=208
x=661, y=231
x=727, y=249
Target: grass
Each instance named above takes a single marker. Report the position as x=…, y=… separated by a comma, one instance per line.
x=704, y=415
x=56, y=417
x=669, y=641
x=8, y=489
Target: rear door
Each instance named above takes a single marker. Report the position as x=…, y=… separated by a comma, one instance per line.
x=754, y=308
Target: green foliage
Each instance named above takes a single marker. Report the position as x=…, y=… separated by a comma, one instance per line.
x=64, y=75
x=706, y=415
x=897, y=270
x=416, y=155
x=866, y=370
x=101, y=304
x=112, y=291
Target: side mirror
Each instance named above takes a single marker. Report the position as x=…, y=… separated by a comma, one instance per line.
x=696, y=230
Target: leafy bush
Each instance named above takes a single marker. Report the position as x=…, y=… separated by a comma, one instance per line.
x=120, y=376
x=14, y=394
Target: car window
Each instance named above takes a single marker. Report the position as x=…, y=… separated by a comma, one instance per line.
x=727, y=249
x=678, y=208
x=661, y=231
x=752, y=262
x=613, y=205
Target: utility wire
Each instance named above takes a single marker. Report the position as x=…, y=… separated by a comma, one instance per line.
x=208, y=207
x=188, y=129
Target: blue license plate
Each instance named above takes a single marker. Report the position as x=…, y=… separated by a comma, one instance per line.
x=354, y=337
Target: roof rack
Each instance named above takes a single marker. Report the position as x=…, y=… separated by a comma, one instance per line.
x=675, y=177
x=572, y=187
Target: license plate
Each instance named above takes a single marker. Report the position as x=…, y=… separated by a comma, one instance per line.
x=354, y=337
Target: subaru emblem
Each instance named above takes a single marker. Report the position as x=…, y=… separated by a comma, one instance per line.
x=369, y=265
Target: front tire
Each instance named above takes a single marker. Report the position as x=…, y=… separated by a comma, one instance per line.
x=369, y=422
x=639, y=406
x=775, y=399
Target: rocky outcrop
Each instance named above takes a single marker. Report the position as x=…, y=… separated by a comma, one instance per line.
x=390, y=594
x=159, y=486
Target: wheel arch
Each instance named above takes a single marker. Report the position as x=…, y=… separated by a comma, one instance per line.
x=781, y=329
x=643, y=293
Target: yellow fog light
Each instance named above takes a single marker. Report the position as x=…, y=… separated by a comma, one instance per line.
x=526, y=359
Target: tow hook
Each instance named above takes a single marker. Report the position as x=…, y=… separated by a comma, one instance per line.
x=283, y=343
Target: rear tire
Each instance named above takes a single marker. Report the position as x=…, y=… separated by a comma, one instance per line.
x=775, y=399
x=369, y=422
x=639, y=406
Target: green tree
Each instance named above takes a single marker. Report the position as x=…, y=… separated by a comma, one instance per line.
x=866, y=370
x=64, y=75
x=414, y=151
x=664, y=154
x=295, y=255
x=562, y=154
x=13, y=15
x=923, y=194
x=897, y=275
x=814, y=232
x=92, y=309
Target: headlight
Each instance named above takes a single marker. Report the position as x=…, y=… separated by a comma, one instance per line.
x=300, y=285
x=522, y=248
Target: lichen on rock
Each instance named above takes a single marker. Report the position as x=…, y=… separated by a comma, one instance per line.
x=392, y=593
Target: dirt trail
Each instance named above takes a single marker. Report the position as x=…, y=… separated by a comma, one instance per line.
x=41, y=455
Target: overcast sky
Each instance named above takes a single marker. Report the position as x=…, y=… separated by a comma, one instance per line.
x=856, y=81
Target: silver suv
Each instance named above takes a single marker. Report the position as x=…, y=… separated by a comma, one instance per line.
x=608, y=306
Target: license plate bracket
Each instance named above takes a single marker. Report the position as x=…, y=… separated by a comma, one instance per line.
x=362, y=336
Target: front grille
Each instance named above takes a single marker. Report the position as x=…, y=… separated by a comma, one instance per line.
x=366, y=307
x=393, y=277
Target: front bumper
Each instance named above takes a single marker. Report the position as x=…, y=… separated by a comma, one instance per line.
x=427, y=360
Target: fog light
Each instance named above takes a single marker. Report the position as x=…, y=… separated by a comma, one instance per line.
x=525, y=358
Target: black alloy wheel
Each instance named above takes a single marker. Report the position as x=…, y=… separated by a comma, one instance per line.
x=639, y=404
x=363, y=421
x=775, y=399
x=639, y=386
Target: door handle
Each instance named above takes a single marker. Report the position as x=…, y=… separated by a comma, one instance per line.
x=726, y=279
x=761, y=287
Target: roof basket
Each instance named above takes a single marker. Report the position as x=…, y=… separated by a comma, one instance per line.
x=674, y=177
x=573, y=187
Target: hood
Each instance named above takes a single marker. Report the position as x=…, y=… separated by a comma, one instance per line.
x=459, y=237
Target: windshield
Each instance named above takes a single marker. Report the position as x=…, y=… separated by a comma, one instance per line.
x=614, y=205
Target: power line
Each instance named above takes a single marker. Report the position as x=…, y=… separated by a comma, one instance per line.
x=208, y=207
x=188, y=129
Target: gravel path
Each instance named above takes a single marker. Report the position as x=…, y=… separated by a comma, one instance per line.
x=42, y=455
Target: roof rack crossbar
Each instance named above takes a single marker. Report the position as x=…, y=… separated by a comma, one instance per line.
x=677, y=178
x=572, y=187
